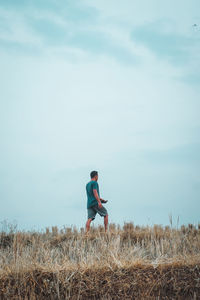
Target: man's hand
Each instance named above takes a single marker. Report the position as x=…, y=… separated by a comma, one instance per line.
x=100, y=205
x=104, y=201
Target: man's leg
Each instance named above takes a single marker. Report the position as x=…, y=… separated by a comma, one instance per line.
x=103, y=213
x=106, y=222
x=91, y=216
x=88, y=225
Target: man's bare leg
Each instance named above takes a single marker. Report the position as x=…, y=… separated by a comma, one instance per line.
x=106, y=222
x=88, y=225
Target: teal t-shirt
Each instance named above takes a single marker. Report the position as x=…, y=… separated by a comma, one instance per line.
x=90, y=186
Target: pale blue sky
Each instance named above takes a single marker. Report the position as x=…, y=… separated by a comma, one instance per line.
x=99, y=85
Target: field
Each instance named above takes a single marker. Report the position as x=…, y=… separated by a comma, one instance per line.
x=129, y=262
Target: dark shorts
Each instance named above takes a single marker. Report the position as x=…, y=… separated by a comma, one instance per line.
x=92, y=211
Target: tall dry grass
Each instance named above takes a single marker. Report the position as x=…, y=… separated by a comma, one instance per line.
x=132, y=262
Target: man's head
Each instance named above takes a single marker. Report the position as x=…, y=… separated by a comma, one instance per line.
x=94, y=175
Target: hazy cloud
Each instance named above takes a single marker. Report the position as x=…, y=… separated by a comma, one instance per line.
x=96, y=85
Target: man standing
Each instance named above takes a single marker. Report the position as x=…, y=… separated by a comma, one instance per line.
x=94, y=202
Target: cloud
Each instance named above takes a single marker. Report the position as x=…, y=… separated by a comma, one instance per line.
x=186, y=154
x=74, y=11
x=156, y=31
x=74, y=27
x=174, y=47
x=139, y=12
x=16, y=35
x=43, y=31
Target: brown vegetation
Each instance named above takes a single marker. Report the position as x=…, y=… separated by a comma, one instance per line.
x=126, y=263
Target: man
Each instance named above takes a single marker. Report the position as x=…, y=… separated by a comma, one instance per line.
x=94, y=202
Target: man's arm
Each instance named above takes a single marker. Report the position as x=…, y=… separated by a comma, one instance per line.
x=97, y=198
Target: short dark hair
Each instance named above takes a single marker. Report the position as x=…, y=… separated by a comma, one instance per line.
x=93, y=173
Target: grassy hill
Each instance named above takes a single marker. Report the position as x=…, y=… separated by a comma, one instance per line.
x=126, y=263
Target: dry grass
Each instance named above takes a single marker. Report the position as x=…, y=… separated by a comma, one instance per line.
x=126, y=263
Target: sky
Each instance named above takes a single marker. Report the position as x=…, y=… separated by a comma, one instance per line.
x=111, y=86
